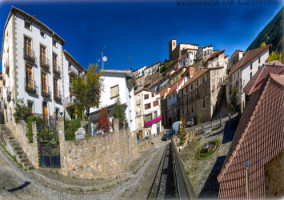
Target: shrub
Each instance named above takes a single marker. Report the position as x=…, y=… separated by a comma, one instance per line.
x=44, y=134
x=22, y=112
x=29, y=134
x=71, y=126
x=103, y=121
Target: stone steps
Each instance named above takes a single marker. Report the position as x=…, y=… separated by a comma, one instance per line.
x=15, y=148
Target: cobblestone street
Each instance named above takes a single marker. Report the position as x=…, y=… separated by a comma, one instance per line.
x=16, y=183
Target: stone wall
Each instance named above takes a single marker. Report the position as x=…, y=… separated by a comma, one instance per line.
x=274, y=177
x=104, y=155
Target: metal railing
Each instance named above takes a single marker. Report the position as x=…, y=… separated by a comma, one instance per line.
x=44, y=63
x=182, y=182
x=31, y=86
x=29, y=54
x=56, y=69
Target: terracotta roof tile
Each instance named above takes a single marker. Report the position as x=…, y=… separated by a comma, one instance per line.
x=258, y=139
x=254, y=84
x=175, y=86
x=197, y=75
x=251, y=54
x=236, y=52
x=163, y=92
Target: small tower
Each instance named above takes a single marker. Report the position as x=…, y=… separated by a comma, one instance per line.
x=172, y=46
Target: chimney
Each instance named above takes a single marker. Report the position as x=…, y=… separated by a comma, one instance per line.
x=273, y=68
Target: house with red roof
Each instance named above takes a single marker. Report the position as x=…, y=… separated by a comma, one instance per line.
x=243, y=71
x=254, y=166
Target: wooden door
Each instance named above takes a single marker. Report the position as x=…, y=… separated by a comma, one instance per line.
x=45, y=111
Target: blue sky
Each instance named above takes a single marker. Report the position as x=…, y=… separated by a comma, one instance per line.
x=142, y=30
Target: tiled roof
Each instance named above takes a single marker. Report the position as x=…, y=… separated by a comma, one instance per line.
x=163, y=92
x=258, y=139
x=236, y=52
x=197, y=75
x=250, y=55
x=254, y=84
x=175, y=86
x=177, y=70
x=215, y=54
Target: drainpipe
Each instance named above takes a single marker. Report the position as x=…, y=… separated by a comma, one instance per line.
x=247, y=180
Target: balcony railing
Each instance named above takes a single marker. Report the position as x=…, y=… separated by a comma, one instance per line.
x=29, y=55
x=56, y=70
x=57, y=96
x=44, y=63
x=30, y=86
x=138, y=113
x=45, y=92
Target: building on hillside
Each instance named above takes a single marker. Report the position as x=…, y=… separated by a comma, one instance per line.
x=1, y=100
x=218, y=59
x=201, y=94
x=257, y=147
x=164, y=107
x=243, y=71
x=184, y=61
x=175, y=76
x=71, y=69
x=117, y=84
x=274, y=67
x=148, y=113
x=235, y=57
x=160, y=83
x=177, y=51
x=139, y=72
x=148, y=71
x=32, y=66
x=203, y=53
x=173, y=109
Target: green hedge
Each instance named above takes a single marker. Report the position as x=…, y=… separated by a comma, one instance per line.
x=71, y=126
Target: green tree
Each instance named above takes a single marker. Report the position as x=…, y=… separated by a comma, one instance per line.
x=181, y=133
x=280, y=57
x=198, y=117
x=164, y=67
x=234, y=99
x=87, y=90
x=118, y=111
x=273, y=56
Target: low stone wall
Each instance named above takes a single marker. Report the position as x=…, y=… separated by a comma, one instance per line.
x=30, y=149
x=104, y=155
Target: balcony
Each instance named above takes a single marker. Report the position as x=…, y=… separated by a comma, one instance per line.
x=138, y=101
x=30, y=87
x=69, y=101
x=44, y=63
x=45, y=92
x=57, y=96
x=138, y=113
x=148, y=123
x=56, y=70
x=29, y=55
x=72, y=70
x=7, y=67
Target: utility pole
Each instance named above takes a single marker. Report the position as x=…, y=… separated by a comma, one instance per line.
x=247, y=179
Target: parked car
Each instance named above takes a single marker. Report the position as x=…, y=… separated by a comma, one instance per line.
x=168, y=135
x=175, y=126
x=190, y=122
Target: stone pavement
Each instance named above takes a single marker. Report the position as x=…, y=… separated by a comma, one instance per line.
x=42, y=184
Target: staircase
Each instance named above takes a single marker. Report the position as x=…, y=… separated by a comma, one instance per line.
x=14, y=147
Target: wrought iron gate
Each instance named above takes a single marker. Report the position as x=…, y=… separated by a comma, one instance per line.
x=48, y=139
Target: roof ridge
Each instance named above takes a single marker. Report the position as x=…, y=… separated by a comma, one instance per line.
x=224, y=169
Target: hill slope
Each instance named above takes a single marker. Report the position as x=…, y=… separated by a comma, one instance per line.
x=273, y=33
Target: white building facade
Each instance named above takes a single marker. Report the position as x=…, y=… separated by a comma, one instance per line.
x=117, y=84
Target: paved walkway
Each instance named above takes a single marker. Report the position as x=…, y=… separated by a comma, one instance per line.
x=16, y=183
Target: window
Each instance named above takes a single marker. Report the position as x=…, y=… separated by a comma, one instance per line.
x=28, y=25
x=56, y=113
x=250, y=66
x=153, y=94
x=148, y=118
x=42, y=33
x=56, y=87
x=155, y=114
x=203, y=102
x=147, y=106
x=250, y=75
x=29, y=76
x=30, y=106
x=42, y=54
x=258, y=60
x=54, y=43
x=156, y=103
x=146, y=96
x=114, y=91
x=28, y=46
x=43, y=83
x=54, y=59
